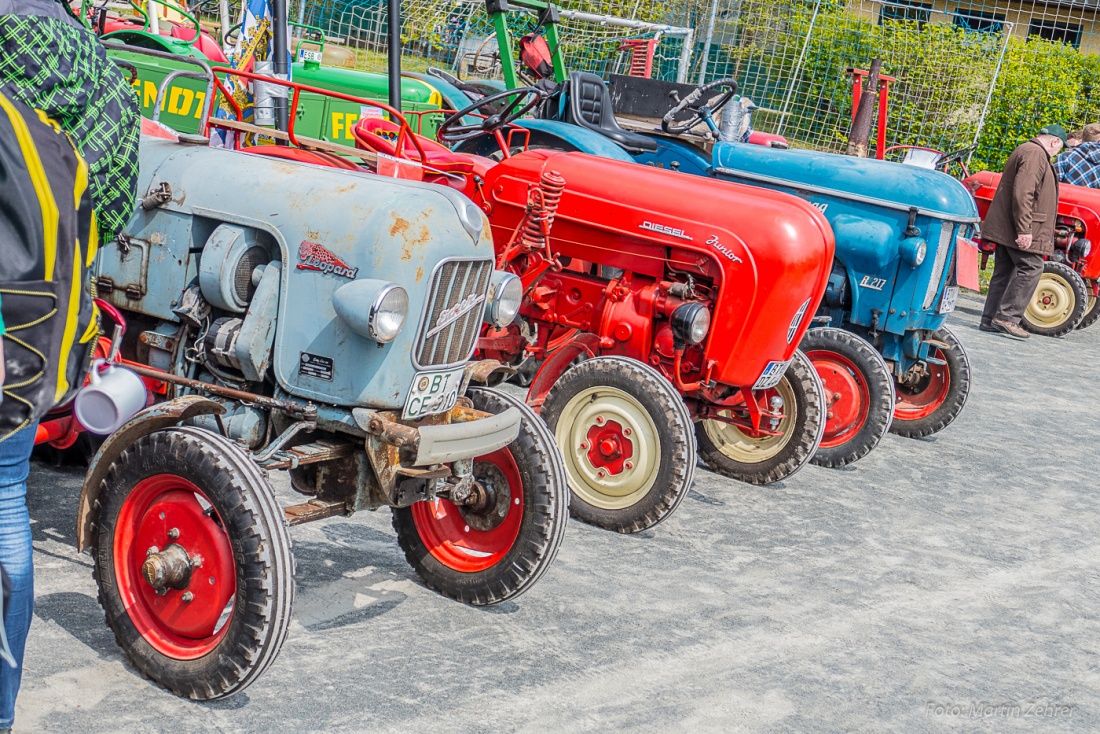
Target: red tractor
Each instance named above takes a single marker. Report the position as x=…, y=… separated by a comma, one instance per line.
x=1065, y=298
x=712, y=284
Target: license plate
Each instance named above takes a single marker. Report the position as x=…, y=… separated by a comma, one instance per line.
x=432, y=392
x=308, y=55
x=771, y=375
x=950, y=298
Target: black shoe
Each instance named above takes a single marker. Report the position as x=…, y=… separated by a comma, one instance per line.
x=986, y=327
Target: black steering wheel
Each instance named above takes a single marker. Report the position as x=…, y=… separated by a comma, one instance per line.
x=454, y=130
x=700, y=104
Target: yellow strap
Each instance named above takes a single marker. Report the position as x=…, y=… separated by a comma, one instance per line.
x=70, y=325
x=41, y=184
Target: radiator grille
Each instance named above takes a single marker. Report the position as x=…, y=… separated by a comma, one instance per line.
x=943, y=248
x=452, y=321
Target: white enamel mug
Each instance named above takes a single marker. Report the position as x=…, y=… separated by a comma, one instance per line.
x=112, y=396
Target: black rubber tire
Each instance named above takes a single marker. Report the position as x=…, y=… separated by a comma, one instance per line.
x=869, y=369
x=670, y=423
x=805, y=434
x=1076, y=284
x=1092, y=313
x=958, y=371
x=253, y=522
x=546, y=502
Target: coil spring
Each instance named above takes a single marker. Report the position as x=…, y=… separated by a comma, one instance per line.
x=542, y=205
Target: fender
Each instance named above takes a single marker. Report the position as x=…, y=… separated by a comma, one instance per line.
x=153, y=418
x=556, y=364
x=582, y=139
x=687, y=157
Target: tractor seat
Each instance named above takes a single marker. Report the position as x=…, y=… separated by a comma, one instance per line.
x=380, y=135
x=590, y=106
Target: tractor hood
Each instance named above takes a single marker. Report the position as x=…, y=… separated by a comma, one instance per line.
x=332, y=230
x=879, y=183
x=770, y=253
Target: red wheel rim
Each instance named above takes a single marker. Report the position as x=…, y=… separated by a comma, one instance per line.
x=923, y=399
x=450, y=533
x=846, y=394
x=174, y=625
x=610, y=447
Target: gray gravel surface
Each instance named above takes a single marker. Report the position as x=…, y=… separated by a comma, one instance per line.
x=945, y=584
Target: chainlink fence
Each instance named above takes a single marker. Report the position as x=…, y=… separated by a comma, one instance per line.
x=986, y=73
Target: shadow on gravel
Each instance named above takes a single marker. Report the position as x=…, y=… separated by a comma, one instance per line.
x=81, y=616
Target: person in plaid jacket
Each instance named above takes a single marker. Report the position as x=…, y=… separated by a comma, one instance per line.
x=1080, y=165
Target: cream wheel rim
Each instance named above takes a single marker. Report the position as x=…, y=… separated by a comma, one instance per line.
x=743, y=448
x=1053, y=301
x=610, y=446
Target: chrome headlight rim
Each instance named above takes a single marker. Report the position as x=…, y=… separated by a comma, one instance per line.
x=378, y=331
x=505, y=305
x=691, y=322
x=914, y=251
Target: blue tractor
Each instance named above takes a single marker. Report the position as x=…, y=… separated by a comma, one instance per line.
x=322, y=322
x=896, y=227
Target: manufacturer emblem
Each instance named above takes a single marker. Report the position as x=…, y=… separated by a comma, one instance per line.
x=714, y=242
x=316, y=257
x=455, y=312
x=665, y=229
x=797, y=320
x=875, y=284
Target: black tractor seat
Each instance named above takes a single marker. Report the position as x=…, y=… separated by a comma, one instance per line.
x=590, y=106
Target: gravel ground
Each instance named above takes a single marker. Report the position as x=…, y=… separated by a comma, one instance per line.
x=944, y=584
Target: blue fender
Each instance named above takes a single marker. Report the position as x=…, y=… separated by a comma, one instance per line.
x=582, y=139
x=677, y=155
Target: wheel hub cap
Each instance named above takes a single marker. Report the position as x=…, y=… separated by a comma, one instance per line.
x=610, y=445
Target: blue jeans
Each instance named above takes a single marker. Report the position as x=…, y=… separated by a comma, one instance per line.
x=15, y=555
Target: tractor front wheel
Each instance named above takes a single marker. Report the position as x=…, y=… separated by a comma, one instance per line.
x=730, y=450
x=193, y=562
x=1059, y=302
x=859, y=394
x=625, y=435
x=1092, y=313
x=931, y=403
x=496, y=549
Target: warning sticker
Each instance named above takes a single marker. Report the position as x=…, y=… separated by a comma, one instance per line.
x=314, y=365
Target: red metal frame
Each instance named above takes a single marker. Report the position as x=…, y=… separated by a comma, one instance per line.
x=297, y=89
x=858, y=76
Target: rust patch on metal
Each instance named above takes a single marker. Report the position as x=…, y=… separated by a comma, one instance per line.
x=400, y=226
x=419, y=273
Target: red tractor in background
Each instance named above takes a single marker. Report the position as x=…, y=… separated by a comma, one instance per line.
x=1065, y=298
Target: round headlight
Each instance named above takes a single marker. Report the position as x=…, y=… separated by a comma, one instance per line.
x=913, y=250
x=507, y=298
x=691, y=322
x=388, y=313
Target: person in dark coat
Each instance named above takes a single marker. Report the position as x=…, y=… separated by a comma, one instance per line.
x=1020, y=222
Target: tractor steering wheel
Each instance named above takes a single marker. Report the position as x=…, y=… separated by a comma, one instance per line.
x=699, y=104
x=454, y=130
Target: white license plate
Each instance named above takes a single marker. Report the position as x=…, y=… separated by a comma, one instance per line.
x=950, y=298
x=432, y=392
x=771, y=375
x=308, y=55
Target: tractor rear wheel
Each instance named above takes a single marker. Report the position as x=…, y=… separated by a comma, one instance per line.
x=1059, y=302
x=625, y=435
x=497, y=551
x=193, y=562
x=730, y=450
x=859, y=394
x=1092, y=313
x=932, y=403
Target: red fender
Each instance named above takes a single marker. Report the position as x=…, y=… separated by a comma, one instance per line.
x=556, y=364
